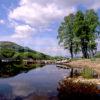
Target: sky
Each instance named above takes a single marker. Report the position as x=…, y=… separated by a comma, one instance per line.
x=35, y=23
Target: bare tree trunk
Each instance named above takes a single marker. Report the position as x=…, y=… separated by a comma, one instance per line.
x=71, y=50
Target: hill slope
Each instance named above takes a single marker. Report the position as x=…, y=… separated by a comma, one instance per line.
x=11, y=49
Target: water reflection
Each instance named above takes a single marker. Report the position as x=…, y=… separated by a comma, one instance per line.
x=5, y=92
x=8, y=69
x=40, y=83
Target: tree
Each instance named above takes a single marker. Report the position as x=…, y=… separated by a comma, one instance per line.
x=66, y=35
x=92, y=20
x=82, y=30
x=7, y=53
x=78, y=33
x=85, y=27
x=18, y=56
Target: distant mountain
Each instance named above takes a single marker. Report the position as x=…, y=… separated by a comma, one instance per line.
x=24, y=52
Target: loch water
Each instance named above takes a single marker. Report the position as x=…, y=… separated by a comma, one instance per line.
x=36, y=84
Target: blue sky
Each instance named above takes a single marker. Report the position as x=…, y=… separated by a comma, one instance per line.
x=34, y=23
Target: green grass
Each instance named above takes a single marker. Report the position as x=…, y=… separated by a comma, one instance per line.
x=87, y=73
x=93, y=59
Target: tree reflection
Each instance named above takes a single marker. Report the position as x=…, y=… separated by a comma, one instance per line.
x=12, y=68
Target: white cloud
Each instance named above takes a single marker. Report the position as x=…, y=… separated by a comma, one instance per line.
x=2, y=21
x=36, y=14
x=23, y=31
x=39, y=13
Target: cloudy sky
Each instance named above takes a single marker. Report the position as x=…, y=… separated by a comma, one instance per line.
x=34, y=23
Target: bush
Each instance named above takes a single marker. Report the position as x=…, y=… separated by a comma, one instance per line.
x=87, y=73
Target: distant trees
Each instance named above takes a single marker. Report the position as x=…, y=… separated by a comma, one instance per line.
x=78, y=33
x=7, y=53
x=31, y=55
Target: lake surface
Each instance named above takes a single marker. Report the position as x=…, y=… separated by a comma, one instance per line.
x=37, y=84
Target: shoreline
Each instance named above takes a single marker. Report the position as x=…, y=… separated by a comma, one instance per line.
x=81, y=64
x=95, y=64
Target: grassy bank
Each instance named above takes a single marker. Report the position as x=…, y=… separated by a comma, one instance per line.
x=85, y=63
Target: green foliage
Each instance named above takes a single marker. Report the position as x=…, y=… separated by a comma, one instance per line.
x=66, y=35
x=7, y=52
x=59, y=58
x=78, y=33
x=87, y=73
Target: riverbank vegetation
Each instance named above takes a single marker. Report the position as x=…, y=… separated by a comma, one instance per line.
x=79, y=89
x=85, y=63
x=87, y=73
x=83, y=82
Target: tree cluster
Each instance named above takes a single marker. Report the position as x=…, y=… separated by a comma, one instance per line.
x=78, y=33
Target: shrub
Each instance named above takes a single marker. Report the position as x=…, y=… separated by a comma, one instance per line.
x=87, y=73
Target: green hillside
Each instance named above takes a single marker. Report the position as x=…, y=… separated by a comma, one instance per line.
x=13, y=50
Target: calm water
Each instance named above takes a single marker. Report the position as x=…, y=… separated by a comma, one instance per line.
x=39, y=84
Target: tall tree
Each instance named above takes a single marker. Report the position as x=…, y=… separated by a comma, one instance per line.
x=78, y=33
x=92, y=20
x=66, y=34
x=81, y=30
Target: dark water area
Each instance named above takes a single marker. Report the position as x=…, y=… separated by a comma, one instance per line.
x=36, y=84
x=9, y=69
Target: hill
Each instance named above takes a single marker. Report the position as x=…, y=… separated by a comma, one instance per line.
x=13, y=50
